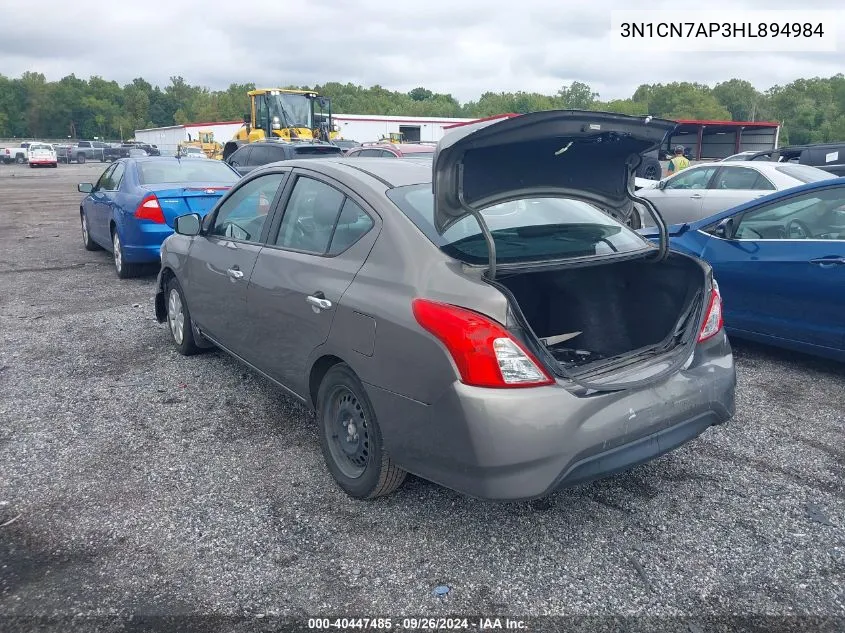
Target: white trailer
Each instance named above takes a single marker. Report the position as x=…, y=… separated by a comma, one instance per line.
x=167, y=139
x=371, y=127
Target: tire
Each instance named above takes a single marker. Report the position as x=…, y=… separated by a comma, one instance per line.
x=20, y=160
x=90, y=245
x=650, y=169
x=123, y=269
x=80, y=159
x=181, y=329
x=356, y=460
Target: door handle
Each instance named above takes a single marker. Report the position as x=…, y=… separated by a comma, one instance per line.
x=696, y=196
x=318, y=301
x=828, y=261
x=235, y=273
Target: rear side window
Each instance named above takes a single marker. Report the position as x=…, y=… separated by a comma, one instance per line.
x=804, y=173
x=741, y=178
x=524, y=230
x=159, y=171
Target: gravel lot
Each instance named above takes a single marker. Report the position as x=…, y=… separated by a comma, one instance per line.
x=134, y=480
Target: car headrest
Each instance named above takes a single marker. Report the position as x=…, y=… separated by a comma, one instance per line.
x=326, y=206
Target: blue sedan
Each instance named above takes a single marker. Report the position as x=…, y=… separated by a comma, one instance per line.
x=130, y=209
x=780, y=264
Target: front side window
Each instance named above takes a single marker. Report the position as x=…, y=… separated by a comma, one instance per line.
x=695, y=178
x=114, y=177
x=524, y=230
x=104, y=179
x=243, y=215
x=816, y=215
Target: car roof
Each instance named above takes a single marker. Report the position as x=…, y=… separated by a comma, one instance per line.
x=389, y=171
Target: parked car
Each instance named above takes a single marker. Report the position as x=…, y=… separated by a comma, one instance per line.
x=115, y=151
x=250, y=156
x=84, y=151
x=829, y=157
x=780, y=262
x=702, y=190
x=741, y=156
x=41, y=155
x=392, y=150
x=191, y=152
x=365, y=288
x=16, y=154
x=345, y=144
x=130, y=209
x=150, y=149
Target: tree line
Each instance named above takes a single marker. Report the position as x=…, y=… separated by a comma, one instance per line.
x=811, y=110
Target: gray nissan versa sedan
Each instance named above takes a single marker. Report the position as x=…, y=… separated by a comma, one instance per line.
x=484, y=320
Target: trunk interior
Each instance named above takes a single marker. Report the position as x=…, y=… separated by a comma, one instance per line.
x=591, y=314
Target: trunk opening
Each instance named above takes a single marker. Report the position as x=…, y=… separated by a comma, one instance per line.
x=594, y=319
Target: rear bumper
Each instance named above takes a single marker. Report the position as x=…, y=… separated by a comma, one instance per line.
x=527, y=443
x=143, y=241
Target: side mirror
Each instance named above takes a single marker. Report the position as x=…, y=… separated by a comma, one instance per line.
x=661, y=184
x=85, y=187
x=188, y=224
x=724, y=229
x=206, y=222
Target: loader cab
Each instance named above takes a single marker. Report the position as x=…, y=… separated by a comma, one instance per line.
x=288, y=114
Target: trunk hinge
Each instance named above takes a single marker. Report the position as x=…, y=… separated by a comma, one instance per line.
x=485, y=230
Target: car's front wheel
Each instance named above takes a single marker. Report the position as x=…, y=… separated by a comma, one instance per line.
x=90, y=245
x=351, y=438
x=179, y=319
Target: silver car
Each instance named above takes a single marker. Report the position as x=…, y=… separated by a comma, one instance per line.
x=702, y=190
x=484, y=320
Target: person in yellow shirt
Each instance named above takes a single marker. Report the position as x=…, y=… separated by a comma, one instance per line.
x=678, y=162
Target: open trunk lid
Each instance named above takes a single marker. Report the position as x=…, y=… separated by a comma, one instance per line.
x=585, y=155
x=187, y=198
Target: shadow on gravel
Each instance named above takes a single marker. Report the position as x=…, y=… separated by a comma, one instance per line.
x=754, y=354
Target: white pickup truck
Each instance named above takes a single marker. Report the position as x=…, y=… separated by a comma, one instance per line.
x=15, y=154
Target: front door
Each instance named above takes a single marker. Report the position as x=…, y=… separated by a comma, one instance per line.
x=321, y=242
x=222, y=258
x=783, y=272
x=98, y=209
x=681, y=197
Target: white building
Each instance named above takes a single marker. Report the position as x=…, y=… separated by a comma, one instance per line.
x=167, y=139
x=355, y=127
x=371, y=127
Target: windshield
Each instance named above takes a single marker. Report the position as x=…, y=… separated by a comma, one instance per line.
x=36, y=146
x=293, y=110
x=805, y=173
x=157, y=171
x=525, y=230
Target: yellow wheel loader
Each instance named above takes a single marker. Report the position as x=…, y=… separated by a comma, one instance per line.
x=288, y=115
x=205, y=142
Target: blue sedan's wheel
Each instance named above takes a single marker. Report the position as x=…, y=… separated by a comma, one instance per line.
x=351, y=438
x=124, y=270
x=90, y=245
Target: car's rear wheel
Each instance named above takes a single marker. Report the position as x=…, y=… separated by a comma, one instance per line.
x=80, y=158
x=179, y=319
x=351, y=438
x=90, y=245
x=124, y=270
x=20, y=160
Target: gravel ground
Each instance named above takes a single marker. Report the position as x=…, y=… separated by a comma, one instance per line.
x=134, y=480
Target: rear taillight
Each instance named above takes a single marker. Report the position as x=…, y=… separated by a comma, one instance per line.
x=713, y=322
x=483, y=350
x=149, y=209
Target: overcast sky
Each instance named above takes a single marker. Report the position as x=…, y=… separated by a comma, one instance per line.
x=463, y=47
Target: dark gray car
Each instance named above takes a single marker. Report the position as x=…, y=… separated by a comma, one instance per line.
x=485, y=321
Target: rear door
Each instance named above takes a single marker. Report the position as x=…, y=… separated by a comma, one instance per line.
x=783, y=273
x=315, y=249
x=682, y=195
x=222, y=258
x=732, y=186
